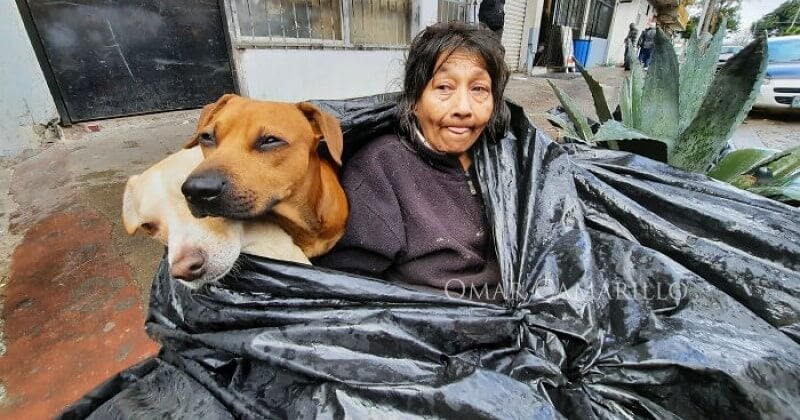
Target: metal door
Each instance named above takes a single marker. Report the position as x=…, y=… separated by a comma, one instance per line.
x=112, y=58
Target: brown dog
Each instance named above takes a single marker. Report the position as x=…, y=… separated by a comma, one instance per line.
x=264, y=160
x=203, y=250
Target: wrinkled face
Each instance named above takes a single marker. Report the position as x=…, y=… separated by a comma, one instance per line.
x=456, y=104
x=256, y=154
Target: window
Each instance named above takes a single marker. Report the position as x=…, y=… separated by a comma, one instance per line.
x=335, y=23
x=460, y=10
x=600, y=22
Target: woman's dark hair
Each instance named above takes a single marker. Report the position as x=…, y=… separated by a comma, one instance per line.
x=444, y=39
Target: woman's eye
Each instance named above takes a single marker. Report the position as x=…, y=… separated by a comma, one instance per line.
x=443, y=88
x=206, y=139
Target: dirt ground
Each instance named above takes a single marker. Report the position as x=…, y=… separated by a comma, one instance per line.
x=75, y=287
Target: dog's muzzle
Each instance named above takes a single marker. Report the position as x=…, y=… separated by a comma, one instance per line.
x=204, y=192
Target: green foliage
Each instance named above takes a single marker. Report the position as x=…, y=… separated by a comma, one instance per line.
x=660, y=118
x=767, y=172
x=575, y=115
x=600, y=104
x=693, y=110
x=696, y=74
x=779, y=21
x=691, y=27
x=724, y=107
x=730, y=12
x=610, y=131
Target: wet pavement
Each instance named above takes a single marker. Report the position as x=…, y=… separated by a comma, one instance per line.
x=75, y=286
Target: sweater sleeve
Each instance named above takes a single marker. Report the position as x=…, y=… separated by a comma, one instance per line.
x=374, y=237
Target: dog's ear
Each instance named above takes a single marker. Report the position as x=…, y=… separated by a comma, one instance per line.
x=327, y=128
x=130, y=213
x=206, y=115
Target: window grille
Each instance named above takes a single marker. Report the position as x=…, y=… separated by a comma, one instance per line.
x=450, y=10
x=323, y=23
x=602, y=12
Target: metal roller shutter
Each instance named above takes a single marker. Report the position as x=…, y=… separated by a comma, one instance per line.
x=512, y=31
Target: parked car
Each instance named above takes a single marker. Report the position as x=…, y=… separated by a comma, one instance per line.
x=728, y=51
x=781, y=88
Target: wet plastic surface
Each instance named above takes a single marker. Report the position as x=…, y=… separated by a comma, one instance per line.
x=633, y=290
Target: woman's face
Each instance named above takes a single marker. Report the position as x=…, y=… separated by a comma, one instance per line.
x=456, y=104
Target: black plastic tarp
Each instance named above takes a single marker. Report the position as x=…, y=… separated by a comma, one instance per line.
x=633, y=290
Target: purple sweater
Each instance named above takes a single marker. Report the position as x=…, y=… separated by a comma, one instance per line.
x=415, y=216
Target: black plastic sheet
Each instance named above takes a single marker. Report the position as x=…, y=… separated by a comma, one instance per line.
x=633, y=290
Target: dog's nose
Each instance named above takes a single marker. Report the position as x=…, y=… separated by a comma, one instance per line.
x=189, y=266
x=206, y=186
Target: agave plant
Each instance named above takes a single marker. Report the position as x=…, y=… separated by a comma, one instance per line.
x=768, y=172
x=687, y=111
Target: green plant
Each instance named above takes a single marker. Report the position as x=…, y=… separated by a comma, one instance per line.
x=687, y=113
x=662, y=106
x=768, y=172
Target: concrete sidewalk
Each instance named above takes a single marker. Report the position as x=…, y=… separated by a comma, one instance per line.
x=75, y=286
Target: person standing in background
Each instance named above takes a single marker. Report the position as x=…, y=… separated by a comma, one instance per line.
x=646, y=43
x=491, y=14
x=630, y=41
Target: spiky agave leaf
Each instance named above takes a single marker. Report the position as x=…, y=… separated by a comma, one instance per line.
x=729, y=98
x=696, y=73
x=781, y=177
x=741, y=162
x=567, y=128
x=660, y=116
x=615, y=130
x=600, y=103
x=787, y=191
x=787, y=165
x=582, y=128
x=630, y=96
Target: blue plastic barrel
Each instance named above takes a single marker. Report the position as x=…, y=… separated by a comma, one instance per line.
x=581, y=53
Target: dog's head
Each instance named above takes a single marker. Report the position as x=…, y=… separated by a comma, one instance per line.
x=199, y=250
x=258, y=154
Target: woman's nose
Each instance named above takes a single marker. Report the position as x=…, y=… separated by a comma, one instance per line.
x=462, y=104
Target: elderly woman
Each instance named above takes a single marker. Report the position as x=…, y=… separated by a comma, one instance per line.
x=416, y=209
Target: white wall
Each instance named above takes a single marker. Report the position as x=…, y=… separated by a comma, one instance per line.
x=625, y=14
x=25, y=101
x=293, y=75
x=296, y=75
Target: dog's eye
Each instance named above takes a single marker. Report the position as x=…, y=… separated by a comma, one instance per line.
x=268, y=142
x=149, y=228
x=206, y=139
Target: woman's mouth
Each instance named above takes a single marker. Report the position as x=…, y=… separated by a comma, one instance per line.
x=458, y=130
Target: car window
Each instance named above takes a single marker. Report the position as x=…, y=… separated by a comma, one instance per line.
x=784, y=50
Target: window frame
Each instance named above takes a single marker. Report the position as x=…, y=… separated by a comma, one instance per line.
x=243, y=41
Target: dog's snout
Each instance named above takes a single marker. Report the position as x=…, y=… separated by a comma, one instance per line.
x=189, y=266
x=206, y=186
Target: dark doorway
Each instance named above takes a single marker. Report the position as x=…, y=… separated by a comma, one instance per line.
x=559, y=13
x=111, y=59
